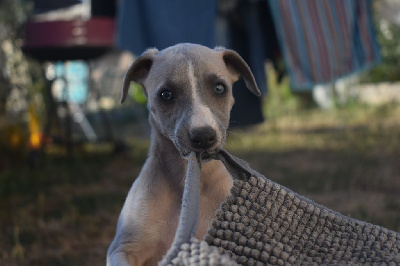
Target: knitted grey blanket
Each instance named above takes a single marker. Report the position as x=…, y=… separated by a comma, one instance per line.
x=262, y=222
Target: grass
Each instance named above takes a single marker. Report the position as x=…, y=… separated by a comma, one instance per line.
x=64, y=211
x=55, y=214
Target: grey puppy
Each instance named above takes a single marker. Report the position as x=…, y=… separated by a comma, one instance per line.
x=189, y=92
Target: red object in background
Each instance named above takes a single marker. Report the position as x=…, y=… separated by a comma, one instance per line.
x=69, y=40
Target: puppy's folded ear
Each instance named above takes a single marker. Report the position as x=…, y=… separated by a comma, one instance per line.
x=237, y=67
x=138, y=71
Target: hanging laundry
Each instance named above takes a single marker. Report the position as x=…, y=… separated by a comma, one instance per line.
x=322, y=41
x=160, y=23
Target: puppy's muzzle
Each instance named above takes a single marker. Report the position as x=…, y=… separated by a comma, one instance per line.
x=202, y=138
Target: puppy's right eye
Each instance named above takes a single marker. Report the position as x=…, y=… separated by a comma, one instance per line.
x=166, y=95
x=219, y=89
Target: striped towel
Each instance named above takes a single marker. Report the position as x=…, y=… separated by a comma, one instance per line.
x=323, y=40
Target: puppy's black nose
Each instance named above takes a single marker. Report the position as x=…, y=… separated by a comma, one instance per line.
x=203, y=137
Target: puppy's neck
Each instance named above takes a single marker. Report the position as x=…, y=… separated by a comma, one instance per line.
x=166, y=159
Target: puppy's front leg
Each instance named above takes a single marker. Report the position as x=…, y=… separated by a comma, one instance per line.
x=147, y=223
x=129, y=244
x=140, y=240
x=129, y=254
x=121, y=258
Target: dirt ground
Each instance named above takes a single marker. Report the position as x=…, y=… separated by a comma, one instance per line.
x=64, y=210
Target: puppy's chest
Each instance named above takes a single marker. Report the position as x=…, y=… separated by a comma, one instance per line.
x=215, y=187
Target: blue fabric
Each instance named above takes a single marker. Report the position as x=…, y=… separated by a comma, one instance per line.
x=257, y=46
x=162, y=23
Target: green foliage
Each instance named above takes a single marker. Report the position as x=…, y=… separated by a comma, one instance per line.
x=136, y=92
x=13, y=13
x=389, y=68
x=280, y=99
x=12, y=16
x=21, y=79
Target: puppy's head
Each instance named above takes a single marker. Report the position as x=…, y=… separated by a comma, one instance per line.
x=189, y=92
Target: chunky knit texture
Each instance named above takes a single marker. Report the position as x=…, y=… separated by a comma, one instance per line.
x=262, y=223
x=200, y=253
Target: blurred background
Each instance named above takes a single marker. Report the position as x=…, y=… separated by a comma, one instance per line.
x=327, y=125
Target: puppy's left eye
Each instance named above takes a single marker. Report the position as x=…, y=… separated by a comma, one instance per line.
x=219, y=89
x=166, y=95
